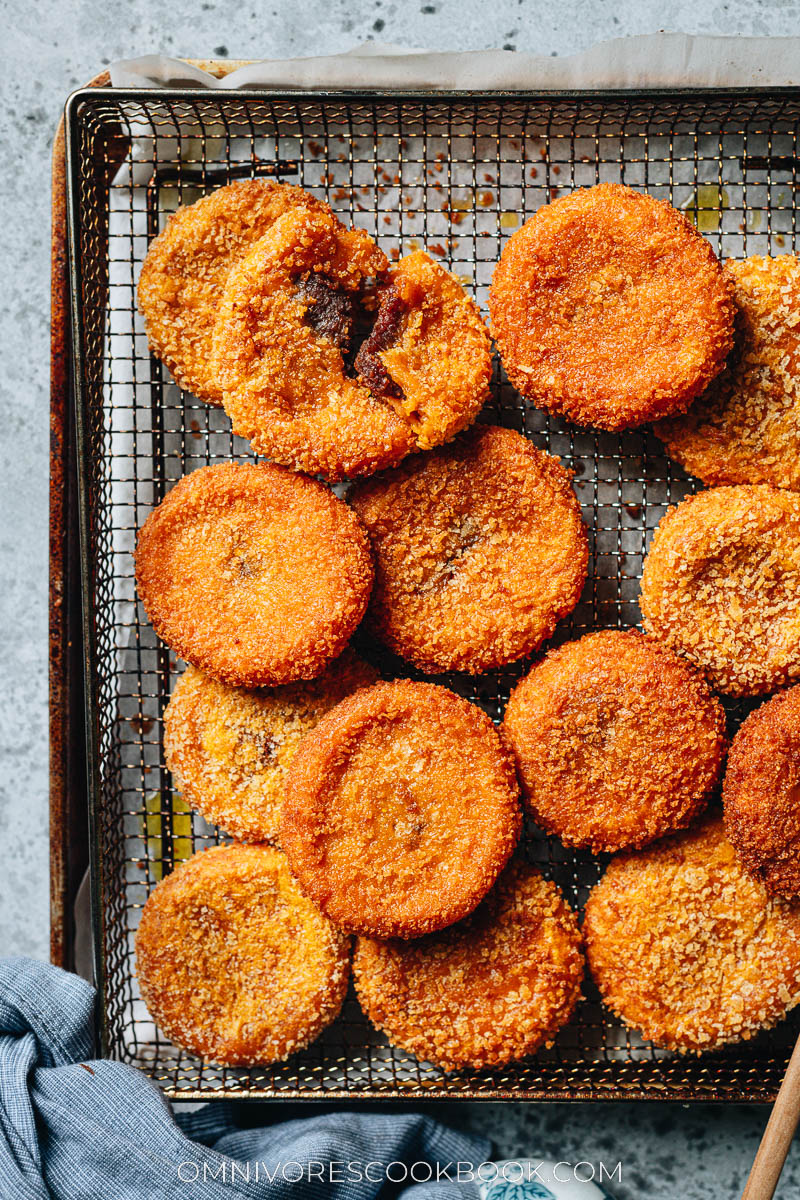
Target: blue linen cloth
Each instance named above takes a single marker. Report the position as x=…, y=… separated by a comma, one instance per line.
x=74, y=1128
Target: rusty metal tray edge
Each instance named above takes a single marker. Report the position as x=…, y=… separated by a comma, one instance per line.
x=69, y=832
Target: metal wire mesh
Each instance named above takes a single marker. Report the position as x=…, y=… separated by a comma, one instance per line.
x=455, y=175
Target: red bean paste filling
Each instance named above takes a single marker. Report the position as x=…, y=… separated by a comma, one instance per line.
x=360, y=334
x=332, y=312
x=385, y=330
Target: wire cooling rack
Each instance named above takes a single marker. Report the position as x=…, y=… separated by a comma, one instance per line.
x=456, y=174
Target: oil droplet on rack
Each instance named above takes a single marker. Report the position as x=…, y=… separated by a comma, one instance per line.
x=509, y=220
x=706, y=206
x=152, y=831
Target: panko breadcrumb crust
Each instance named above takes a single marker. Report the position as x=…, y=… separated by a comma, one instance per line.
x=442, y=361
x=254, y=574
x=402, y=807
x=688, y=949
x=616, y=741
x=229, y=748
x=761, y=794
x=479, y=551
x=721, y=586
x=234, y=964
x=485, y=992
x=287, y=387
x=746, y=426
x=187, y=265
x=609, y=308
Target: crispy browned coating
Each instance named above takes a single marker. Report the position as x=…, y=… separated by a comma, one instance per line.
x=254, y=574
x=186, y=267
x=721, y=586
x=479, y=551
x=287, y=386
x=761, y=794
x=234, y=964
x=746, y=427
x=484, y=992
x=401, y=809
x=687, y=948
x=617, y=741
x=442, y=361
x=610, y=308
x=229, y=748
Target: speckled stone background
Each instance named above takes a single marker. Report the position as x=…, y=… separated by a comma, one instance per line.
x=49, y=49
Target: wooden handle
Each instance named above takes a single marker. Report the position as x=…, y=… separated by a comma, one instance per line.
x=778, y=1135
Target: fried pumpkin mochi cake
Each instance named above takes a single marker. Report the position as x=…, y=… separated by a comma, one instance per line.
x=721, y=586
x=334, y=363
x=616, y=740
x=479, y=550
x=254, y=574
x=761, y=794
x=745, y=428
x=486, y=991
x=234, y=963
x=687, y=948
x=402, y=807
x=610, y=309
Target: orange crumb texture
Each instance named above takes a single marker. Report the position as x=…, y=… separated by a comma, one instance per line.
x=485, y=992
x=286, y=387
x=610, y=308
x=254, y=574
x=479, y=551
x=234, y=964
x=746, y=426
x=229, y=748
x=617, y=741
x=721, y=586
x=687, y=948
x=761, y=792
x=401, y=809
x=184, y=273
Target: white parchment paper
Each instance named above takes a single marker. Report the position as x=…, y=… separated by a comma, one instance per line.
x=652, y=61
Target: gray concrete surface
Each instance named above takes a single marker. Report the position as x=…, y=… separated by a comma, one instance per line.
x=52, y=47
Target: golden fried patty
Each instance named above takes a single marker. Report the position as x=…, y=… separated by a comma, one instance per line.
x=479, y=551
x=609, y=307
x=401, y=809
x=721, y=586
x=229, y=748
x=761, y=794
x=440, y=361
x=254, y=574
x=746, y=427
x=183, y=275
x=234, y=964
x=687, y=948
x=297, y=384
x=616, y=741
x=486, y=991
